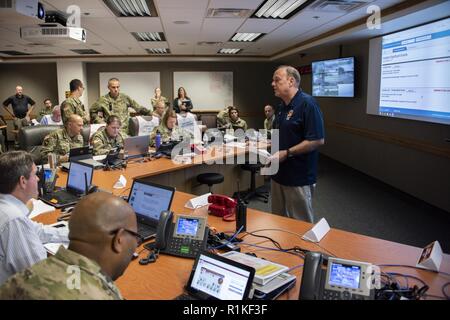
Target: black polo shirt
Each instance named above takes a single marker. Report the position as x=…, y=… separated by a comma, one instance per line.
x=300, y=120
x=19, y=105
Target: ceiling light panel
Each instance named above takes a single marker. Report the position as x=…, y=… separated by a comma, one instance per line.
x=229, y=51
x=280, y=9
x=246, y=37
x=132, y=8
x=149, y=36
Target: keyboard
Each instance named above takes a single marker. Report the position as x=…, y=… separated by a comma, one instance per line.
x=146, y=231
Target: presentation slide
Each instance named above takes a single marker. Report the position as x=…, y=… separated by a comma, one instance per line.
x=414, y=80
x=333, y=78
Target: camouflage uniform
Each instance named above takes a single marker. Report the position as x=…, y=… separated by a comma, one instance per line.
x=167, y=135
x=43, y=112
x=106, y=106
x=155, y=101
x=72, y=106
x=268, y=123
x=239, y=124
x=55, y=279
x=102, y=143
x=60, y=143
x=223, y=118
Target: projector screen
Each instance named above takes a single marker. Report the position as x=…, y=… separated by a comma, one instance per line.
x=409, y=74
x=333, y=78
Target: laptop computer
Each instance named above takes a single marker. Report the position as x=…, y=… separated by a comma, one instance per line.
x=148, y=201
x=80, y=175
x=82, y=154
x=217, y=278
x=136, y=146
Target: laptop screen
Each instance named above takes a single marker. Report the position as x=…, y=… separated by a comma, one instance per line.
x=221, y=278
x=76, y=180
x=148, y=199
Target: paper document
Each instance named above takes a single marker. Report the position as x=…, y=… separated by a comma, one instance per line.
x=39, y=207
x=53, y=247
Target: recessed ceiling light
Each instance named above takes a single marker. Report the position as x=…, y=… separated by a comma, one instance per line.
x=132, y=8
x=158, y=51
x=181, y=22
x=246, y=37
x=229, y=51
x=149, y=36
x=280, y=9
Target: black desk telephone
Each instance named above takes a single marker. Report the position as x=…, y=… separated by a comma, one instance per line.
x=341, y=280
x=184, y=238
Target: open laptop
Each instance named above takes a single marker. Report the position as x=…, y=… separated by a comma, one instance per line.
x=217, y=278
x=82, y=154
x=79, y=178
x=148, y=201
x=137, y=146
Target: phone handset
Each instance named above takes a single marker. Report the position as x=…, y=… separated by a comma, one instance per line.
x=311, y=277
x=163, y=230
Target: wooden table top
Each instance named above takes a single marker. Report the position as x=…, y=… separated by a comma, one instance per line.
x=165, y=278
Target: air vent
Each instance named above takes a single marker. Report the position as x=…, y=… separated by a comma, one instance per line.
x=132, y=8
x=209, y=43
x=6, y=4
x=338, y=5
x=85, y=51
x=149, y=36
x=228, y=13
x=15, y=53
x=54, y=31
x=158, y=51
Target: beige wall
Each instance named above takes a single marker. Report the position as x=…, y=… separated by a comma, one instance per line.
x=251, y=81
x=421, y=174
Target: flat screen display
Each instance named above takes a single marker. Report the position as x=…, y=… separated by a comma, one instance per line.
x=334, y=78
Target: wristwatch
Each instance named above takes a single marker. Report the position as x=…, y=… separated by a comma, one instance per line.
x=288, y=153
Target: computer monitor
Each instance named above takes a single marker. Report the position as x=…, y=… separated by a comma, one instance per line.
x=80, y=174
x=150, y=199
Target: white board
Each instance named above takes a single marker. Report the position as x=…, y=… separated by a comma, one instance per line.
x=139, y=86
x=207, y=90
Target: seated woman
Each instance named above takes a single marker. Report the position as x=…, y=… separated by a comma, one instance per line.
x=182, y=102
x=168, y=129
x=234, y=121
x=108, y=138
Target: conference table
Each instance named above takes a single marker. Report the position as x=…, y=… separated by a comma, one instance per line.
x=166, y=278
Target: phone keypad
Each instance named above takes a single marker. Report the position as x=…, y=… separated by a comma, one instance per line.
x=338, y=295
x=184, y=247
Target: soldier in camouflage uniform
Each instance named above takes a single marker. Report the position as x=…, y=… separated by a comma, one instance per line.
x=235, y=122
x=115, y=103
x=73, y=105
x=158, y=98
x=223, y=119
x=169, y=130
x=47, y=109
x=108, y=138
x=62, y=140
x=102, y=240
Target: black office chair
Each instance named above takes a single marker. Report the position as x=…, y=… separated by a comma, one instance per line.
x=253, y=192
x=210, y=179
x=31, y=138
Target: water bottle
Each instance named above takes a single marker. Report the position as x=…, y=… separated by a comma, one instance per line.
x=157, y=140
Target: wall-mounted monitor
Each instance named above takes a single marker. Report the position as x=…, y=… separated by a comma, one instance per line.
x=409, y=74
x=334, y=78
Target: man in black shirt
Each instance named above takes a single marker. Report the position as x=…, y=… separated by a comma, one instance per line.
x=22, y=105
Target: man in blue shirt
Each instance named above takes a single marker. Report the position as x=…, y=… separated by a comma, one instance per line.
x=300, y=124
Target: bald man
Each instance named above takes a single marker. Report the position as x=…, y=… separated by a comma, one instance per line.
x=62, y=140
x=102, y=243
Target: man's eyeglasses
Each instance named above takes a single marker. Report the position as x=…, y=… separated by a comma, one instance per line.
x=139, y=238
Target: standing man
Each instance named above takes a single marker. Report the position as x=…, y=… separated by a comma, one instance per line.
x=46, y=110
x=62, y=140
x=21, y=239
x=73, y=105
x=270, y=117
x=108, y=138
x=115, y=103
x=22, y=105
x=103, y=237
x=301, y=132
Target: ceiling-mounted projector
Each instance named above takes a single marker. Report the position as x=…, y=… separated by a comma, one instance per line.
x=53, y=33
x=22, y=11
